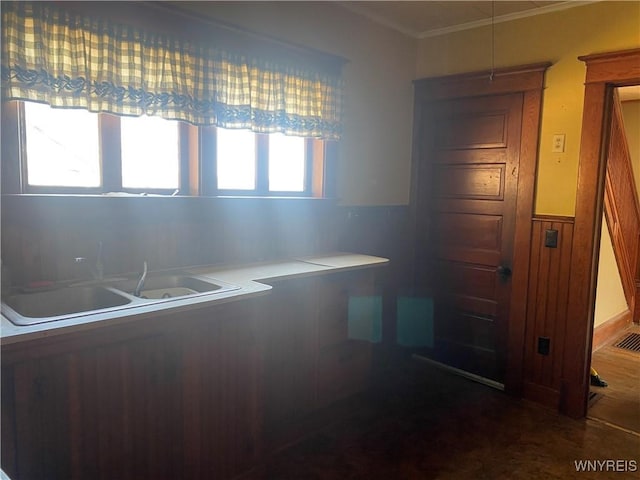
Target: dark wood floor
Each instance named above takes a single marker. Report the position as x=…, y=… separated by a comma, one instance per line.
x=619, y=403
x=419, y=422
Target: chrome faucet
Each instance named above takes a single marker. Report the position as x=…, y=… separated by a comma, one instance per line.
x=97, y=271
x=143, y=277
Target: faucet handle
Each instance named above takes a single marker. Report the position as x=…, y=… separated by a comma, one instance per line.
x=137, y=292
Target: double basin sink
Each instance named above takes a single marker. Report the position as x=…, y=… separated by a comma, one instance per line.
x=28, y=308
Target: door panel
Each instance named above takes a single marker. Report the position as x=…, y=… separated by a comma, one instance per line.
x=482, y=181
x=464, y=129
x=468, y=177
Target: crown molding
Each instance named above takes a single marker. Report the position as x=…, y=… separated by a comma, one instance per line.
x=382, y=20
x=506, y=18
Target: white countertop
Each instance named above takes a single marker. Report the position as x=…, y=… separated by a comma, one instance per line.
x=249, y=278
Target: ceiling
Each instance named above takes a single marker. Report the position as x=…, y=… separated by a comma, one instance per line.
x=429, y=18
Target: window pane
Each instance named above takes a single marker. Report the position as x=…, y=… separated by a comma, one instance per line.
x=62, y=146
x=236, y=159
x=286, y=163
x=150, y=152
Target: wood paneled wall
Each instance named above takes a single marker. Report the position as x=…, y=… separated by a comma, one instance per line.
x=42, y=235
x=547, y=309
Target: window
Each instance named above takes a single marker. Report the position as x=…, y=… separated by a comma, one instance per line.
x=287, y=172
x=76, y=151
x=255, y=84
x=236, y=159
x=62, y=147
x=150, y=153
x=261, y=164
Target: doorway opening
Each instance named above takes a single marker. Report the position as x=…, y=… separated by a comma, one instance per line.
x=605, y=72
x=614, y=395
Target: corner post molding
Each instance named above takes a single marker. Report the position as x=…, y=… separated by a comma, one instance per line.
x=604, y=72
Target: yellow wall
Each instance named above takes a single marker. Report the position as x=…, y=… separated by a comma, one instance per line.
x=375, y=153
x=610, y=300
x=559, y=37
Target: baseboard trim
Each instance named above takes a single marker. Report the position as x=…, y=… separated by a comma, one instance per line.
x=609, y=330
x=541, y=394
x=471, y=376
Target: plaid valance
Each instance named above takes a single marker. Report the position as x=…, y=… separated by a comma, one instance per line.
x=66, y=59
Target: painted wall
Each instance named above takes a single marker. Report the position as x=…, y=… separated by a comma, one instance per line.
x=375, y=153
x=559, y=37
x=610, y=300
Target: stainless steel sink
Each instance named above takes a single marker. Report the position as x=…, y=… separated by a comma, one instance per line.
x=168, y=286
x=79, y=300
x=67, y=302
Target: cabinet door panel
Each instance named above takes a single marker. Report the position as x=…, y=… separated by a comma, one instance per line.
x=222, y=394
x=343, y=370
x=42, y=419
x=343, y=364
x=290, y=352
x=103, y=413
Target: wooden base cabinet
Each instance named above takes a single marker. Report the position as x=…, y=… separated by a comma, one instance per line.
x=290, y=354
x=194, y=395
x=344, y=364
x=310, y=363
x=170, y=397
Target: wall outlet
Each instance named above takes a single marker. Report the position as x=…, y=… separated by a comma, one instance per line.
x=551, y=238
x=558, y=143
x=544, y=343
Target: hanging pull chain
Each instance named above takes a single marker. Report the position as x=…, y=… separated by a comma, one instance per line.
x=493, y=6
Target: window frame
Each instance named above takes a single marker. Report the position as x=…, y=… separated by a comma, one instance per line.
x=209, y=182
x=110, y=157
x=197, y=162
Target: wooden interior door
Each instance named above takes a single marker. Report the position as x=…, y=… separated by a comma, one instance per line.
x=468, y=178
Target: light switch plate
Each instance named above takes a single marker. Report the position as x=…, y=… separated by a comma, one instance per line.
x=558, y=143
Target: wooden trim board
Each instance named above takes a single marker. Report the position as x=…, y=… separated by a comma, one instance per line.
x=609, y=330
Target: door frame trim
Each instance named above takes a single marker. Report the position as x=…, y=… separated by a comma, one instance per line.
x=528, y=80
x=604, y=72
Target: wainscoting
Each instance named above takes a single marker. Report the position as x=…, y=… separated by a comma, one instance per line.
x=42, y=235
x=547, y=310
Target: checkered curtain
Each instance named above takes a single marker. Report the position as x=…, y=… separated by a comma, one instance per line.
x=68, y=60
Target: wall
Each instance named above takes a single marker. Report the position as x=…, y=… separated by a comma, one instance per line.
x=42, y=235
x=610, y=299
x=559, y=37
x=375, y=153
x=546, y=310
